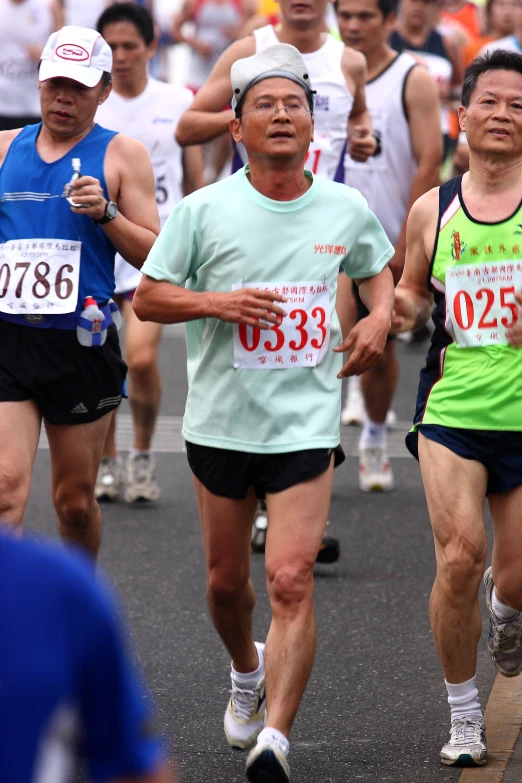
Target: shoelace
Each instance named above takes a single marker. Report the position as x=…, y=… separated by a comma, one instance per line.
x=243, y=700
x=466, y=731
x=507, y=636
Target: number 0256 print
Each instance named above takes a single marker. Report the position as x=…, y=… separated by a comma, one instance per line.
x=300, y=340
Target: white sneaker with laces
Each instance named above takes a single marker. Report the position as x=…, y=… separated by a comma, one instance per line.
x=467, y=745
x=110, y=480
x=245, y=716
x=354, y=411
x=141, y=478
x=375, y=473
x=505, y=638
x=267, y=763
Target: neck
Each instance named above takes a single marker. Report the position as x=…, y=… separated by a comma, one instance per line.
x=53, y=146
x=413, y=33
x=278, y=182
x=305, y=40
x=378, y=60
x=491, y=175
x=131, y=90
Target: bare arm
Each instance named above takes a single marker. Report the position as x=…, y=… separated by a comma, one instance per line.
x=413, y=299
x=6, y=137
x=361, y=143
x=184, y=15
x=57, y=13
x=166, y=303
x=423, y=107
x=192, y=170
x=206, y=119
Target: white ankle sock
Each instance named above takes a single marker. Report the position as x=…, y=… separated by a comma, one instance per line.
x=270, y=735
x=373, y=435
x=502, y=611
x=463, y=698
x=137, y=453
x=249, y=680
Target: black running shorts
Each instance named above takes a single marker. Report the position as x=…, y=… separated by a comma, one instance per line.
x=71, y=384
x=230, y=474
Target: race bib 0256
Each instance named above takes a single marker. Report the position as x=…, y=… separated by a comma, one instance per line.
x=300, y=340
x=480, y=302
x=39, y=276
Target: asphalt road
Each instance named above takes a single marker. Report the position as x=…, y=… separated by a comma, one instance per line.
x=375, y=709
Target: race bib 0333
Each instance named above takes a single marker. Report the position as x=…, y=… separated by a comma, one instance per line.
x=300, y=340
x=480, y=302
x=39, y=276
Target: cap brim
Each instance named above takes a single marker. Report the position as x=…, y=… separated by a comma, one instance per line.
x=89, y=77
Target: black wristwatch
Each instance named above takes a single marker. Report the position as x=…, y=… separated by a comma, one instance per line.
x=378, y=148
x=111, y=210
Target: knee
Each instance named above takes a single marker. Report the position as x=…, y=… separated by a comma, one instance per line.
x=226, y=587
x=73, y=506
x=14, y=491
x=142, y=364
x=289, y=583
x=462, y=564
x=508, y=586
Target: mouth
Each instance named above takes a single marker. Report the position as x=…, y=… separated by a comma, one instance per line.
x=62, y=116
x=281, y=135
x=300, y=7
x=500, y=132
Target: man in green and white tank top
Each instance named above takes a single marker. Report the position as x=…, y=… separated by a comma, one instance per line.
x=465, y=255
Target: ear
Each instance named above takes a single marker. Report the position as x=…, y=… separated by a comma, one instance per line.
x=313, y=129
x=462, y=114
x=152, y=49
x=105, y=94
x=236, y=130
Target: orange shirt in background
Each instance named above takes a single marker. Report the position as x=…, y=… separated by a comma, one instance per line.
x=467, y=17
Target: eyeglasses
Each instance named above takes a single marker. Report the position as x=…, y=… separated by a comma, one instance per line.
x=267, y=110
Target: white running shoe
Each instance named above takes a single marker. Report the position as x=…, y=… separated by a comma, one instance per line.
x=467, y=745
x=141, y=478
x=505, y=638
x=354, y=411
x=267, y=763
x=391, y=419
x=375, y=473
x=245, y=716
x=110, y=480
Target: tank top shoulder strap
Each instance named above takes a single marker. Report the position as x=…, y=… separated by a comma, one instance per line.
x=265, y=37
x=449, y=204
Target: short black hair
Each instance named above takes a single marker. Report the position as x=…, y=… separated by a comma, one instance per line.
x=129, y=12
x=496, y=60
x=386, y=7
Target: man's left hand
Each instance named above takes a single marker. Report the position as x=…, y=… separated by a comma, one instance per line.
x=366, y=341
x=361, y=144
x=87, y=191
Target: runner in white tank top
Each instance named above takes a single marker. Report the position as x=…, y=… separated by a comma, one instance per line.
x=403, y=101
x=337, y=75
x=148, y=111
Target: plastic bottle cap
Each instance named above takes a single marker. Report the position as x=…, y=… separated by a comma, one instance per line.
x=90, y=302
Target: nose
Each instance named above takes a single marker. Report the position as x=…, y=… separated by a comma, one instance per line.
x=65, y=95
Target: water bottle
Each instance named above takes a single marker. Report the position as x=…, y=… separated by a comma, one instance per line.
x=116, y=315
x=96, y=332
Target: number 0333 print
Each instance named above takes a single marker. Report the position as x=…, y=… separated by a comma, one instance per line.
x=39, y=275
x=300, y=340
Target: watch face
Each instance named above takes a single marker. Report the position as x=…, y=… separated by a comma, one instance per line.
x=111, y=210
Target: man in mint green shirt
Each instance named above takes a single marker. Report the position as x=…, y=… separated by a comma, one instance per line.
x=259, y=254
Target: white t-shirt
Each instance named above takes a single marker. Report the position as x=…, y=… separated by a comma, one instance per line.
x=22, y=25
x=229, y=235
x=151, y=118
x=511, y=43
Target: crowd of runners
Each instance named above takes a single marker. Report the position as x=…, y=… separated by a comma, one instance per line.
x=330, y=178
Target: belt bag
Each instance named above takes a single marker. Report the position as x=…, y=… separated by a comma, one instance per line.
x=65, y=321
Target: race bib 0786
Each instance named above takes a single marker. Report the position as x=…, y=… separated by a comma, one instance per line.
x=39, y=276
x=480, y=302
x=300, y=340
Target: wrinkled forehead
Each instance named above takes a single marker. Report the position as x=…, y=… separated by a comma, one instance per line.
x=506, y=85
x=275, y=88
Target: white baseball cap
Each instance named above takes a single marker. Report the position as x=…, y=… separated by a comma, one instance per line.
x=76, y=53
x=282, y=60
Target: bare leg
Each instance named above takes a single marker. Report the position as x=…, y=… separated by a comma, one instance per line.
x=226, y=526
x=142, y=341
x=506, y=512
x=455, y=491
x=75, y=459
x=20, y=424
x=298, y=519
x=378, y=385
x=109, y=447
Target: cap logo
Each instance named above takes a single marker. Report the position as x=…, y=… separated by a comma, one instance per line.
x=72, y=52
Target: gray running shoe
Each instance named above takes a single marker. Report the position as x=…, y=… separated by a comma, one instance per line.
x=504, y=642
x=266, y=763
x=141, y=479
x=110, y=480
x=467, y=745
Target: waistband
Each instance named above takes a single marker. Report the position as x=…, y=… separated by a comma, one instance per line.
x=65, y=321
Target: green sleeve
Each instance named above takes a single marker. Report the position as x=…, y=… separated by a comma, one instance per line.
x=371, y=251
x=175, y=253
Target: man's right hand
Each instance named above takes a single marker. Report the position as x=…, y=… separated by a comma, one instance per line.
x=404, y=314
x=249, y=306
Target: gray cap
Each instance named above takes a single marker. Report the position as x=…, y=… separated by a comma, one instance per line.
x=282, y=60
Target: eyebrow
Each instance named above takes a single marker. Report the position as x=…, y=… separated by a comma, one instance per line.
x=271, y=96
x=517, y=97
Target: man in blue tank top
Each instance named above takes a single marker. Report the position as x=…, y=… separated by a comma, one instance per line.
x=58, y=239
